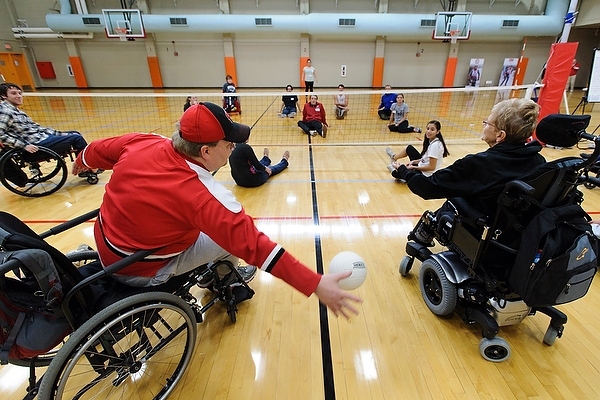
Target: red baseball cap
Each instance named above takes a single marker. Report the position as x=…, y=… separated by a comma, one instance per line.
x=207, y=122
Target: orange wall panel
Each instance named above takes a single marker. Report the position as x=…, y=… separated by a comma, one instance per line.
x=155, y=74
x=378, y=72
x=230, y=69
x=78, y=72
x=450, y=71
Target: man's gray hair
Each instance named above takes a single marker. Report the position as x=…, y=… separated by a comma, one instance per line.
x=185, y=147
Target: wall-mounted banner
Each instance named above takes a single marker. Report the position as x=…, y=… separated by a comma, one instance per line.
x=475, y=70
x=507, y=76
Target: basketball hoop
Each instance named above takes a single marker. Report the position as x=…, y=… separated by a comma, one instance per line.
x=454, y=36
x=122, y=33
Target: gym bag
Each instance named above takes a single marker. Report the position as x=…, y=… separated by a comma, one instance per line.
x=557, y=259
x=31, y=322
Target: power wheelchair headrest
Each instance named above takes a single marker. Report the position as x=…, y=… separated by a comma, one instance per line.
x=562, y=130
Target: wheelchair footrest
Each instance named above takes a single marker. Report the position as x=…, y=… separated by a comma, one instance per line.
x=418, y=250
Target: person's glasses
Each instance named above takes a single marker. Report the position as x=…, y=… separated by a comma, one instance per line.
x=485, y=123
x=228, y=145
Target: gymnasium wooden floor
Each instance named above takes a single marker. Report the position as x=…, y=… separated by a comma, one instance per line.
x=335, y=198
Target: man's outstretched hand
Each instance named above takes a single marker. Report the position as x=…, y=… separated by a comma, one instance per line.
x=336, y=299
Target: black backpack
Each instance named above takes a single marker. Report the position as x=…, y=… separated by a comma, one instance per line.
x=31, y=321
x=557, y=259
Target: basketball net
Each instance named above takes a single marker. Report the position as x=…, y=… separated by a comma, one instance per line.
x=122, y=32
x=454, y=36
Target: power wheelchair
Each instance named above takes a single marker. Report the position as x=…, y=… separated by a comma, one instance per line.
x=472, y=277
x=124, y=342
x=37, y=174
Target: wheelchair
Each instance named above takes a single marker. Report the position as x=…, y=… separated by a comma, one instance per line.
x=37, y=174
x=232, y=105
x=124, y=342
x=471, y=277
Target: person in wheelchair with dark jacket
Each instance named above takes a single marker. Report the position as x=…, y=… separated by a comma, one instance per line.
x=479, y=178
x=18, y=130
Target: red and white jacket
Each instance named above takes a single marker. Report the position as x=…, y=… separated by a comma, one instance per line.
x=158, y=198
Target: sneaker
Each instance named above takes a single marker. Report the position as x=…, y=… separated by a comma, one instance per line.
x=280, y=115
x=391, y=168
x=419, y=237
x=286, y=155
x=390, y=153
x=35, y=172
x=266, y=152
x=247, y=272
x=418, y=130
x=292, y=115
x=312, y=133
x=206, y=282
x=324, y=133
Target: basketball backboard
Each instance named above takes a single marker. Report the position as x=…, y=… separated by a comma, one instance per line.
x=448, y=24
x=119, y=22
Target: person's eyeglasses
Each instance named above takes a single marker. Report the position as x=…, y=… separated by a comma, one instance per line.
x=485, y=123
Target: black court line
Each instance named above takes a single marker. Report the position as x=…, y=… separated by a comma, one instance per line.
x=329, y=388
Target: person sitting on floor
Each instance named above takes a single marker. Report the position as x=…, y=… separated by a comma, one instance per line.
x=429, y=160
x=248, y=171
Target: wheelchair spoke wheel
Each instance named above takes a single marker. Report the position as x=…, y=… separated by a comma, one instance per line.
x=136, y=348
x=439, y=293
x=33, y=174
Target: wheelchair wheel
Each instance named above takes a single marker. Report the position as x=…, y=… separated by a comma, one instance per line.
x=405, y=265
x=439, y=293
x=494, y=350
x=551, y=335
x=33, y=174
x=137, y=348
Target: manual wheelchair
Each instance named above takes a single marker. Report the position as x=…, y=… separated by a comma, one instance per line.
x=125, y=342
x=37, y=174
x=473, y=276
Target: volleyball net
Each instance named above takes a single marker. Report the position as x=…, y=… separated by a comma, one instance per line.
x=100, y=115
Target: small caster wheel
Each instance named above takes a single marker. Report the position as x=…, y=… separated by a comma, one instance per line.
x=494, y=350
x=92, y=179
x=405, y=265
x=551, y=334
x=232, y=310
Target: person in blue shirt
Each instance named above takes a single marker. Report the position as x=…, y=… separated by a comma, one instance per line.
x=384, y=109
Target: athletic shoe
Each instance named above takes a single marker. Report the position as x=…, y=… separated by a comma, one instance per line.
x=324, y=133
x=247, y=272
x=292, y=114
x=312, y=133
x=390, y=153
x=391, y=168
x=280, y=115
x=418, y=130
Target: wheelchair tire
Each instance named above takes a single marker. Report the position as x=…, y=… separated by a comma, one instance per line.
x=439, y=293
x=550, y=335
x=138, y=347
x=494, y=350
x=38, y=174
x=405, y=265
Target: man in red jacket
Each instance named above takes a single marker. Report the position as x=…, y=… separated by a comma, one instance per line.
x=162, y=195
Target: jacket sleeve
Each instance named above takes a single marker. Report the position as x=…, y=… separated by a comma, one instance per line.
x=459, y=179
x=252, y=159
x=237, y=234
x=103, y=153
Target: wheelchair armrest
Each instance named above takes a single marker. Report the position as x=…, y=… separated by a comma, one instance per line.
x=467, y=212
x=519, y=187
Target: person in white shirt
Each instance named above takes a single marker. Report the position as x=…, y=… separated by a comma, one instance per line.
x=341, y=102
x=429, y=160
x=309, y=76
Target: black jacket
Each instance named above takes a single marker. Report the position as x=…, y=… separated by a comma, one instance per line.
x=479, y=177
x=246, y=169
